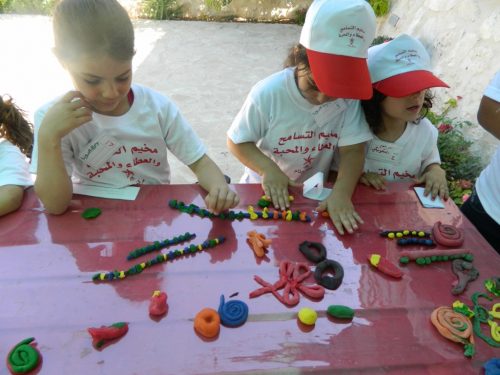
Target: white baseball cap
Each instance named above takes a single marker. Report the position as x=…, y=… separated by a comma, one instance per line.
x=401, y=67
x=336, y=35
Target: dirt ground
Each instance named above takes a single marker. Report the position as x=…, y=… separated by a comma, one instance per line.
x=206, y=68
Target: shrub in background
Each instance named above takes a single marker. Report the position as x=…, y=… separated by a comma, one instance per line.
x=461, y=166
x=27, y=6
x=380, y=7
x=160, y=9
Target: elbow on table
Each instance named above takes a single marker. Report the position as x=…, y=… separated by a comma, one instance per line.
x=53, y=206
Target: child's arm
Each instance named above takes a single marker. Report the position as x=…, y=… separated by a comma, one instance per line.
x=339, y=204
x=11, y=198
x=210, y=177
x=435, y=181
x=274, y=182
x=53, y=185
x=489, y=116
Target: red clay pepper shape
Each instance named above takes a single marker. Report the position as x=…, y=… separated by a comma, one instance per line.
x=385, y=266
x=101, y=336
x=158, y=303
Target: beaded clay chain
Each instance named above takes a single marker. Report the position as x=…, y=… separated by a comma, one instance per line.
x=233, y=215
x=160, y=258
x=409, y=237
x=157, y=245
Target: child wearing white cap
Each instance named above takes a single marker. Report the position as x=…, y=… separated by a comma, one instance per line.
x=483, y=206
x=292, y=121
x=404, y=146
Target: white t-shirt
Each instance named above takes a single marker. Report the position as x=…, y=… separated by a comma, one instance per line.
x=488, y=183
x=298, y=136
x=13, y=165
x=407, y=157
x=117, y=151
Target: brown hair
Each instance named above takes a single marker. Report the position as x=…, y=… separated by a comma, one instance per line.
x=14, y=127
x=373, y=109
x=92, y=27
x=297, y=55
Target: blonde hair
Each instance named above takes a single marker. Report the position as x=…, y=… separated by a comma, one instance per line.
x=92, y=28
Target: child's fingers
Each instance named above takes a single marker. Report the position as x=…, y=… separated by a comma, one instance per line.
x=70, y=96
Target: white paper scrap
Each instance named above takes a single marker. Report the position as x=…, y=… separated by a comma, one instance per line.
x=128, y=193
x=427, y=201
x=313, y=188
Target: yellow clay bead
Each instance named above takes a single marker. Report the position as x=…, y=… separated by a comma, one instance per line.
x=307, y=316
x=399, y=235
x=391, y=235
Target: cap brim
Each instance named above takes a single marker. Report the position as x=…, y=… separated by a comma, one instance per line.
x=408, y=83
x=340, y=76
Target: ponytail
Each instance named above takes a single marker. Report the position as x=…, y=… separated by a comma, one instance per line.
x=14, y=127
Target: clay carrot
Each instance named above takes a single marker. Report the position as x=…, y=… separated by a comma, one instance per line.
x=385, y=266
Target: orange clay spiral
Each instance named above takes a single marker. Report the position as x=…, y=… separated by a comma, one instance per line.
x=207, y=323
x=452, y=325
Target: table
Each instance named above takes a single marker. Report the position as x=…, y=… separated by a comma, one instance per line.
x=48, y=261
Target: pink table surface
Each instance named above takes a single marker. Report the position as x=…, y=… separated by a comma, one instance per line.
x=46, y=290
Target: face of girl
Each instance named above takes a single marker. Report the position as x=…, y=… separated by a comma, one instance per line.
x=405, y=109
x=103, y=81
x=308, y=88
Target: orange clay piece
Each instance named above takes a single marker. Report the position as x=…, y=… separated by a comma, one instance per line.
x=275, y=214
x=207, y=323
x=258, y=242
x=452, y=325
x=325, y=214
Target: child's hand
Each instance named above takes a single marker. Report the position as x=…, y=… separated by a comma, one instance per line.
x=275, y=184
x=373, y=179
x=70, y=112
x=221, y=198
x=342, y=213
x=435, y=181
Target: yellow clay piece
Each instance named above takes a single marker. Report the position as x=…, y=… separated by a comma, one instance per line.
x=307, y=316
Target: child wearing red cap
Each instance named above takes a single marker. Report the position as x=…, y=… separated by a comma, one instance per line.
x=292, y=121
x=404, y=146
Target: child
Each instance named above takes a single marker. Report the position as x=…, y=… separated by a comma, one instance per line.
x=16, y=139
x=483, y=206
x=292, y=121
x=404, y=146
x=111, y=132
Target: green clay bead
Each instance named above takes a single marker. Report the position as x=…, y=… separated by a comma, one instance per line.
x=420, y=261
x=91, y=213
x=404, y=260
x=340, y=311
x=469, y=257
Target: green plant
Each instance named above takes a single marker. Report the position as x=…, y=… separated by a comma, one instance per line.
x=380, y=7
x=27, y=6
x=217, y=4
x=461, y=166
x=160, y=9
x=299, y=16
